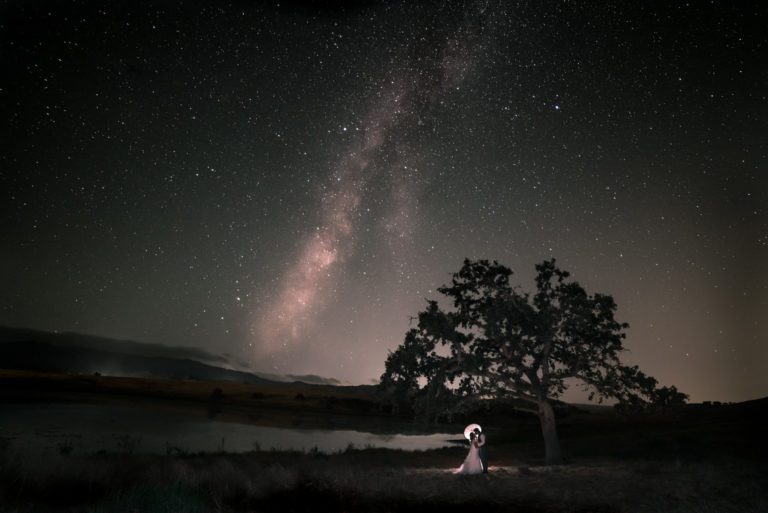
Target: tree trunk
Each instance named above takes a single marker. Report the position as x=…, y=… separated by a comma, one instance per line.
x=553, y=455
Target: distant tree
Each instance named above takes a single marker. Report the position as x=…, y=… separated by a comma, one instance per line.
x=497, y=342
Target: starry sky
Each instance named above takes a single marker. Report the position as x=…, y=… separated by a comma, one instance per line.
x=286, y=183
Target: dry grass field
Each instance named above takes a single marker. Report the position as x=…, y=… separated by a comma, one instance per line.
x=367, y=481
x=704, y=458
x=268, y=404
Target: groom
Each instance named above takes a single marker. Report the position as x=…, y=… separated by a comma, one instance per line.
x=480, y=438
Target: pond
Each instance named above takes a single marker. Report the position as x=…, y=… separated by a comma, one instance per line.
x=87, y=429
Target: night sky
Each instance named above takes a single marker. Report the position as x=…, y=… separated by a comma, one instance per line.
x=287, y=183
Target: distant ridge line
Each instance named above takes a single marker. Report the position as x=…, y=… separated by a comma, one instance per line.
x=66, y=352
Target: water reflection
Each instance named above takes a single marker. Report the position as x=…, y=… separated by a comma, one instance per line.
x=81, y=429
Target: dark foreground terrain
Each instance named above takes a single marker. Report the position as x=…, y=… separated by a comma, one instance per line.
x=371, y=482
x=703, y=458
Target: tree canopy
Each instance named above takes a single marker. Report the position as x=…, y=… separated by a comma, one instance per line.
x=502, y=343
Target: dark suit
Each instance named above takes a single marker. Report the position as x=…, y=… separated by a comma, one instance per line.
x=482, y=451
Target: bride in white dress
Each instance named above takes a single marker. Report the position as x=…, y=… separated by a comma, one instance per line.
x=472, y=463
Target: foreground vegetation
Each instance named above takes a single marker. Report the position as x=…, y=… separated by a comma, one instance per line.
x=701, y=458
x=373, y=481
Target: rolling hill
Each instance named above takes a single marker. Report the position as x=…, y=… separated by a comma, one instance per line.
x=74, y=353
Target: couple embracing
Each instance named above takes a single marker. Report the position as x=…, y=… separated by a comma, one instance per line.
x=476, y=461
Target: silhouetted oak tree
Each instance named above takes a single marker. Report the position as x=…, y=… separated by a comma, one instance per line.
x=497, y=342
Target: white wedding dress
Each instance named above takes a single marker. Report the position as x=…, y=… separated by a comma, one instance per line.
x=472, y=463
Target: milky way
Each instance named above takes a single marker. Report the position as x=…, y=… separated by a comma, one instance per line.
x=285, y=327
